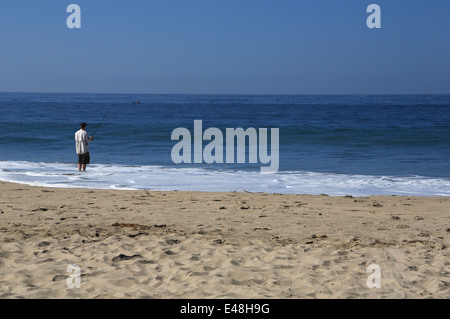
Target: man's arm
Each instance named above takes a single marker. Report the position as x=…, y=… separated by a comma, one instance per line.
x=88, y=138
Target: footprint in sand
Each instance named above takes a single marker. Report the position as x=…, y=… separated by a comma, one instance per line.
x=123, y=257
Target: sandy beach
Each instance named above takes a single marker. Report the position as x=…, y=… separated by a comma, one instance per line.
x=153, y=244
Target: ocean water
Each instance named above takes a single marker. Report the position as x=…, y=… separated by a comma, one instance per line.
x=352, y=144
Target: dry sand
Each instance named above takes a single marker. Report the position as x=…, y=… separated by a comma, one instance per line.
x=148, y=244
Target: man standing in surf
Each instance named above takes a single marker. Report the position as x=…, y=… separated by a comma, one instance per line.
x=82, y=146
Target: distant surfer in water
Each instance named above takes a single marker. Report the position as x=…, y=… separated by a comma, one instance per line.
x=82, y=146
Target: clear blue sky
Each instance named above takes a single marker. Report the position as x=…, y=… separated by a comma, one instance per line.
x=225, y=46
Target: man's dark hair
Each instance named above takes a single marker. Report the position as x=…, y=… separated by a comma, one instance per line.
x=83, y=125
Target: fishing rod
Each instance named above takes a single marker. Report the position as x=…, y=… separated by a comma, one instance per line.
x=102, y=121
x=138, y=102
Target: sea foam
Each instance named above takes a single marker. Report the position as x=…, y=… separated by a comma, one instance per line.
x=106, y=176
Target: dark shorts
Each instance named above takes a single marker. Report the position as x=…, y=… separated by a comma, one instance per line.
x=84, y=158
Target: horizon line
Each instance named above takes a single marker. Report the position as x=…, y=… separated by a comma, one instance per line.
x=121, y=93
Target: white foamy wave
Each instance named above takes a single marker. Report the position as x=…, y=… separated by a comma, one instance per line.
x=197, y=179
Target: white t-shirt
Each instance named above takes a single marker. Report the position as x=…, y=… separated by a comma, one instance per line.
x=82, y=141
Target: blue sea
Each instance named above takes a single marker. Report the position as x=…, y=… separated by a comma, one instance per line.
x=337, y=145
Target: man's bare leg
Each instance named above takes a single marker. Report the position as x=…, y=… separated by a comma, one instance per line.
x=83, y=167
x=79, y=167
